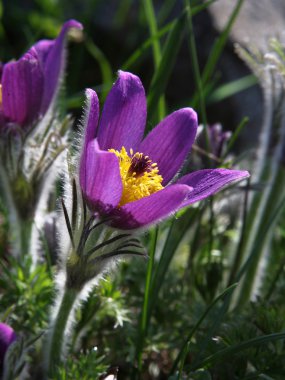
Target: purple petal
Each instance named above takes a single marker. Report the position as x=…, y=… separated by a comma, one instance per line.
x=150, y=209
x=208, y=181
x=53, y=59
x=90, y=126
x=7, y=337
x=100, y=178
x=124, y=114
x=169, y=143
x=41, y=50
x=22, y=89
x=91, y=115
x=1, y=70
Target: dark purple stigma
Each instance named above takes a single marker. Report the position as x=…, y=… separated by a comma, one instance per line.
x=140, y=164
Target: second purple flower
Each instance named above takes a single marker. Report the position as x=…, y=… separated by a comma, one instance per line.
x=28, y=86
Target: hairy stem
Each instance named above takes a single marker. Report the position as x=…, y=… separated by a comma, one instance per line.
x=57, y=334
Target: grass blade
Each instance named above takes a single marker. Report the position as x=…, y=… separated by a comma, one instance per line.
x=195, y=63
x=105, y=66
x=222, y=354
x=145, y=308
x=150, y=16
x=74, y=205
x=67, y=221
x=186, y=345
x=220, y=44
x=162, y=74
x=232, y=88
x=146, y=45
x=176, y=232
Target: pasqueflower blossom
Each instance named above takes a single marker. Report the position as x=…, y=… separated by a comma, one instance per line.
x=132, y=179
x=218, y=138
x=7, y=337
x=28, y=86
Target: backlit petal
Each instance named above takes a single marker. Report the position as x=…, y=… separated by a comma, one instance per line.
x=169, y=143
x=90, y=126
x=124, y=114
x=7, y=337
x=53, y=60
x=151, y=209
x=208, y=181
x=91, y=115
x=22, y=89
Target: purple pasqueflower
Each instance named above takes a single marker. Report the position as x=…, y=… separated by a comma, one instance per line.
x=217, y=138
x=7, y=337
x=130, y=178
x=28, y=86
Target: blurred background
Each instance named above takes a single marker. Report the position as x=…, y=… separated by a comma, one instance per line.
x=115, y=30
x=237, y=236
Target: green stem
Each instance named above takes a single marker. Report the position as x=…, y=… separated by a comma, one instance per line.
x=145, y=310
x=58, y=330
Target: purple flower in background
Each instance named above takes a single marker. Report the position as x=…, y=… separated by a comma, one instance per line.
x=130, y=178
x=218, y=138
x=7, y=337
x=28, y=86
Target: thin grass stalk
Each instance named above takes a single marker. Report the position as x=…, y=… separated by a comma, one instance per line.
x=138, y=53
x=260, y=174
x=217, y=50
x=175, y=234
x=211, y=229
x=220, y=44
x=259, y=243
x=194, y=246
x=195, y=63
x=152, y=25
x=239, y=249
x=222, y=354
x=266, y=129
x=169, y=54
x=186, y=345
x=234, y=137
x=272, y=213
x=104, y=64
x=145, y=309
x=275, y=280
x=264, y=208
x=142, y=49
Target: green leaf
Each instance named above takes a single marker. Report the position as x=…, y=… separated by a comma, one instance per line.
x=176, y=232
x=232, y=88
x=222, y=354
x=186, y=345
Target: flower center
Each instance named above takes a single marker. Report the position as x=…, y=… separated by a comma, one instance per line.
x=139, y=175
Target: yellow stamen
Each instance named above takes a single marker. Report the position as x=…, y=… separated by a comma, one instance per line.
x=139, y=175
